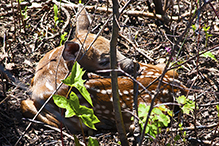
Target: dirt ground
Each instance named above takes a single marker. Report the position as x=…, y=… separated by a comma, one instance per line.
x=29, y=31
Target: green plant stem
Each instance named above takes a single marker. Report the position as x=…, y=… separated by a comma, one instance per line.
x=82, y=130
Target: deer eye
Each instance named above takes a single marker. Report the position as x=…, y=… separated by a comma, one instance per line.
x=104, y=62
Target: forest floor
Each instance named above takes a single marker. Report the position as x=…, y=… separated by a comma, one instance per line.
x=27, y=36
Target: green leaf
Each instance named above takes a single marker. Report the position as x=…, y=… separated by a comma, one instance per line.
x=89, y=120
x=188, y=107
x=92, y=142
x=209, y=54
x=88, y=117
x=217, y=107
x=84, y=93
x=164, y=119
x=157, y=111
x=63, y=36
x=143, y=110
x=181, y=99
x=177, y=138
x=63, y=102
x=63, y=39
x=75, y=80
x=55, y=10
x=193, y=27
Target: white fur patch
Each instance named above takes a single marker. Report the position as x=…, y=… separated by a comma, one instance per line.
x=87, y=86
x=157, y=74
x=126, y=92
x=150, y=73
x=120, y=93
x=109, y=91
x=49, y=86
x=106, y=112
x=50, y=71
x=103, y=91
x=50, y=55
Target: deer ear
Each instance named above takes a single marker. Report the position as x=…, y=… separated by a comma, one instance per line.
x=70, y=50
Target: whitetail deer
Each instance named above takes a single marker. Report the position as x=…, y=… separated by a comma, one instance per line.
x=43, y=83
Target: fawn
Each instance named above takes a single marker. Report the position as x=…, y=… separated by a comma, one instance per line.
x=96, y=58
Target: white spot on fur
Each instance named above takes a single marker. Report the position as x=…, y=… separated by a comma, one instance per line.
x=103, y=106
x=127, y=98
x=105, y=117
x=123, y=105
x=87, y=86
x=49, y=86
x=48, y=66
x=165, y=79
x=66, y=66
x=99, y=112
x=50, y=71
x=165, y=91
x=103, y=91
x=150, y=73
x=125, y=92
x=120, y=93
x=153, y=91
x=144, y=68
x=106, y=112
x=157, y=74
x=109, y=91
x=147, y=96
x=42, y=96
x=131, y=91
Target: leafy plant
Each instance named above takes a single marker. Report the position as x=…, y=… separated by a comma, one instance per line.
x=24, y=14
x=56, y=18
x=206, y=34
x=92, y=142
x=157, y=120
x=188, y=105
x=194, y=28
x=63, y=39
x=72, y=105
x=209, y=54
